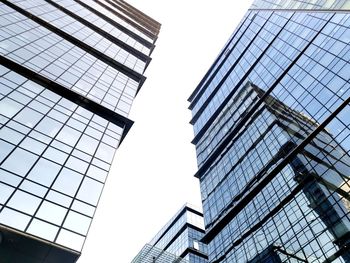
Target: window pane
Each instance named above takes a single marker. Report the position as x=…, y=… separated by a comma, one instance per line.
x=105, y=153
x=5, y=149
x=28, y=117
x=44, y=172
x=83, y=208
x=10, y=135
x=5, y=192
x=9, y=178
x=78, y=223
x=59, y=198
x=33, y=145
x=43, y=230
x=24, y=202
x=14, y=219
x=87, y=144
x=27, y=160
x=90, y=191
x=71, y=240
x=77, y=164
x=49, y=126
x=51, y=213
x=56, y=155
x=33, y=188
x=68, y=182
x=97, y=173
x=68, y=136
x=9, y=107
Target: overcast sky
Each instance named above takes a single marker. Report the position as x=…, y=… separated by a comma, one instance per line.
x=152, y=175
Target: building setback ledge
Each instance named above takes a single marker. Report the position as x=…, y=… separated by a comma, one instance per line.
x=17, y=246
x=195, y=252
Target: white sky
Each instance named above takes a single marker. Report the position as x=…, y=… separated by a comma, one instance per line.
x=153, y=170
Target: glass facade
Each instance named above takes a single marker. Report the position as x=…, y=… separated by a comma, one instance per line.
x=66, y=88
x=297, y=4
x=272, y=135
x=180, y=237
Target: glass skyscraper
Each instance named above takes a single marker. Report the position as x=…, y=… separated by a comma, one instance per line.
x=178, y=241
x=69, y=73
x=271, y=120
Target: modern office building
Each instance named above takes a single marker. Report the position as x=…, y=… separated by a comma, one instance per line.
x=178, y=241
x=69, y=73
x=271, y=120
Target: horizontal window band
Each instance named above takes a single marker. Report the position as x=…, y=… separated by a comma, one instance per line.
x=70, y=95
x=137, y=14
x=99, y=55
x=116, y=25
x=131, y=8
x=18, y=244
x=103, y=33
x=126, y=19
